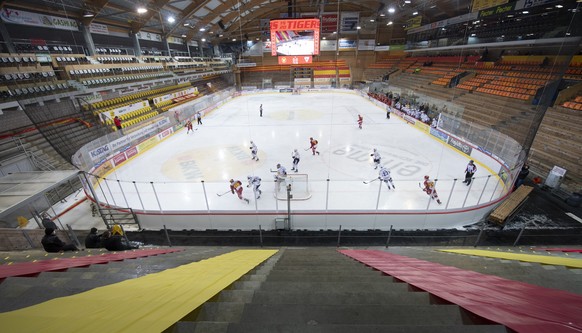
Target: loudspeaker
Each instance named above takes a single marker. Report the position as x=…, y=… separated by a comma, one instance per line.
x=221, y=25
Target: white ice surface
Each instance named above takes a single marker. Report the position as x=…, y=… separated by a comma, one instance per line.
x=219, y=150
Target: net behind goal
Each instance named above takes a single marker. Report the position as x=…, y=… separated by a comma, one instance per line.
x=299, y=187
x=296, y=92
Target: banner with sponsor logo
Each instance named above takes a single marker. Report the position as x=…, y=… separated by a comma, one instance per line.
x=22, y=17
x=414, y=22
x=497, y=10
x=382, y=48
x=366, y=45
x=100, y=152
x=130, y=108
x=143, y=132
x=328, y=23
x=176, y=94
x=439, y=135
x=149, y=36
x=328, y=45
x=175, y=40
x=345, y=44
x=484, y=4
x=349, y=22
x=96, y=28
x=460, y=145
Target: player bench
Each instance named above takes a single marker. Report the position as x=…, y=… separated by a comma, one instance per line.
x=511, y=206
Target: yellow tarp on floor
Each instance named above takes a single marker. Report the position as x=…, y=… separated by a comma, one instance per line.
x=547, y=260
x=150, y=303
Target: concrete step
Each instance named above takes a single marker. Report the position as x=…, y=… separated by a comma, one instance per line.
x=335, y=286
x=350, y=314
x=341, y=297
x=222, y=327
x=307, y=277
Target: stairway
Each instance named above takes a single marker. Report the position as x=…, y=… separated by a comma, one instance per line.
x=320, y=290
x=20, y=292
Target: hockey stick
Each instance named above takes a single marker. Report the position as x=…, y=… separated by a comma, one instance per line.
x=368, y=182
x=219, y=194
x=272, y=170
x=307, y=149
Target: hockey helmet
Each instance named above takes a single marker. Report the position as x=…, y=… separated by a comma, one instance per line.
x=471, y=161
x=426, y=177
x=295, y=150
x=252, y=142
x=278, y=165
x=375, y=150
x=232, y=180
x=249, y=177
x=310, y=138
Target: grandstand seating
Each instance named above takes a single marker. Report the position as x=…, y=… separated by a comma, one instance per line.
x=557, y=142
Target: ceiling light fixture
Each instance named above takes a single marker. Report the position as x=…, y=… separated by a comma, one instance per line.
x=186, y=24
x=390, y=23
x=359, y=28
x=407, y=1
x=371, y=20
x=234, y=39
x=391, y=10
x=171, y=19
x=88, y=14
x=204, y=39
x=202, y=29
x=415, y=13
x=142, y=10
x=525, y=12
x=559, y=6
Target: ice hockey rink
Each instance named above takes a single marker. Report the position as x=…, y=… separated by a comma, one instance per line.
x=186, y=172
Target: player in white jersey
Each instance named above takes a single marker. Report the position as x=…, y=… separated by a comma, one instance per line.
x=254, y=151
x=469, y=172
x=280, y=176
x=296, y=159
x=385, y=176
x=377, y=158
x=255, y=181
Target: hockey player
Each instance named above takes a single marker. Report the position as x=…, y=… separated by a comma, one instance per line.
x=313, y=145
x=236, y=186
x=377, y=158
x=296, y=158
x=261, y=110
x=385, y=176
x=280, y=176
x=429, y=188
x=360, y=121
x=189, y=127
x=469, y=172
x=255, y=181
x=254, y=151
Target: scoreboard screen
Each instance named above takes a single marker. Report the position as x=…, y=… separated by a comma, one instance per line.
x=294, y=37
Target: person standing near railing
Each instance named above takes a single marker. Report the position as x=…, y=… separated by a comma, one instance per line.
x=469, y=172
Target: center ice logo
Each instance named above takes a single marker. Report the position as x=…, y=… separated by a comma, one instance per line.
x=215, y=163
x=400, y=161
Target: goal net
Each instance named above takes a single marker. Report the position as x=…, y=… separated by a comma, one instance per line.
x=296, y=91
x=299, y=187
